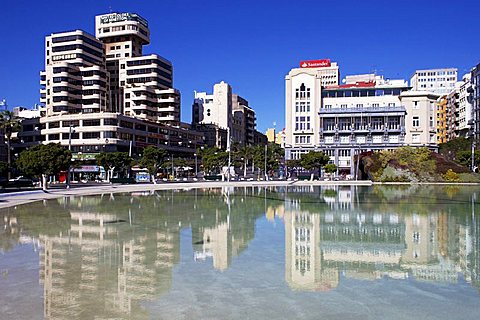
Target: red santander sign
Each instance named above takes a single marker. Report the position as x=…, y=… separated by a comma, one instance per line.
x=315, y=63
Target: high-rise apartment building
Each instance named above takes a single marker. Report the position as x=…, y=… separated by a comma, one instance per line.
x=140, y=86
x=465, y=108
x=75, y=79
x=101, y=94
x=224, y=110
x=475, y=92
x=439, y=81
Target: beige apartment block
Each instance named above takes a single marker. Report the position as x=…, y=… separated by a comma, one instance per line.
x=421, y=118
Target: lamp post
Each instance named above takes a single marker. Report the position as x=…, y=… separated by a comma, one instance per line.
x=472, y=135
x=173, y=170
x=196, y=170
x=265, y=162
x=229, y=153
x=70, y=131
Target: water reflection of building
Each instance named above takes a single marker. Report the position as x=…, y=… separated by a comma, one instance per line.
x=303, y=265
x=101, y=268
x=352, y=238
x=223, y=233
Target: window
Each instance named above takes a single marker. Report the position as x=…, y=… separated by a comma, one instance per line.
x=416, y=121
x=302, y=123
x=302, y=92
x=359, y=105
x=110, y=122
x=91, y=135
x=415, y=105
x=109, y=134
x=90, y=123
x=415, y=138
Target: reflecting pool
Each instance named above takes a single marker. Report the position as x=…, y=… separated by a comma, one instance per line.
x=333, y=252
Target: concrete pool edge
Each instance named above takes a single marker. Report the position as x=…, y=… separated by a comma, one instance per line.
x=18, y=198
x=23, y=197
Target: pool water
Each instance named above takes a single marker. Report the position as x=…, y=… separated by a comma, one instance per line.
x=333, y=252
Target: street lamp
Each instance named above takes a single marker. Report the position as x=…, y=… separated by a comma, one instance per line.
x=472, y=135
x=265, y=160
x=196, y=171
x=70, y=131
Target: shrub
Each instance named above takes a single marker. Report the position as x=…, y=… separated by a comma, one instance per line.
x=451, y=175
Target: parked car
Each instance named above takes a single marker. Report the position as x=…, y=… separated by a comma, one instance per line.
x=20, y=181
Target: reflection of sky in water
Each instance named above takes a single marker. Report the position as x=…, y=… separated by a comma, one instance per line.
x=341, y=253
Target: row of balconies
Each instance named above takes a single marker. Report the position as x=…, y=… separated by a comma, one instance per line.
x=382, y=110
x=363, y=129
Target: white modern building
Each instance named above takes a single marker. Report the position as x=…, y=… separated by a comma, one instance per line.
x=75, y=79
x=303, y=101
x=440, y=81
x=225, y=110
x=215, y=108
x=101, y=94
x=465, y=107
x=140, y=86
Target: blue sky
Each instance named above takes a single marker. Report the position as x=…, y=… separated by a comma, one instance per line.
x=252, y=44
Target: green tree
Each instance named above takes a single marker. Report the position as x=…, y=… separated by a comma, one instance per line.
x=465, y=158
x=152, y=159
x=451, y=148
x=9, y=123
x=112, y=161
x=213, y=159
x=44, y=160
x=330, y=168
x=3, y=168
x=314, y=160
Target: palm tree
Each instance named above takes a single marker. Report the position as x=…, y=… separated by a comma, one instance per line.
x=9, y=122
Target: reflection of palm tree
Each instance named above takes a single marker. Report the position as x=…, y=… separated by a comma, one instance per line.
x=9, y=123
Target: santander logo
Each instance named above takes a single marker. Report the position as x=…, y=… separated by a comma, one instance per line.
x=315, y=63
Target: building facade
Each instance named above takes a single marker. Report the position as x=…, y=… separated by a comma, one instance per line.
x=440, y=81
x=226, y=111
x=475, y=92
x=303, y=87
x=361, y=116
x=101, y=94
x=465, y=108
x=420, y=119
x=75, y=79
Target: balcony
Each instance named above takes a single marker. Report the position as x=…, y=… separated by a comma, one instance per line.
x=351, y=111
